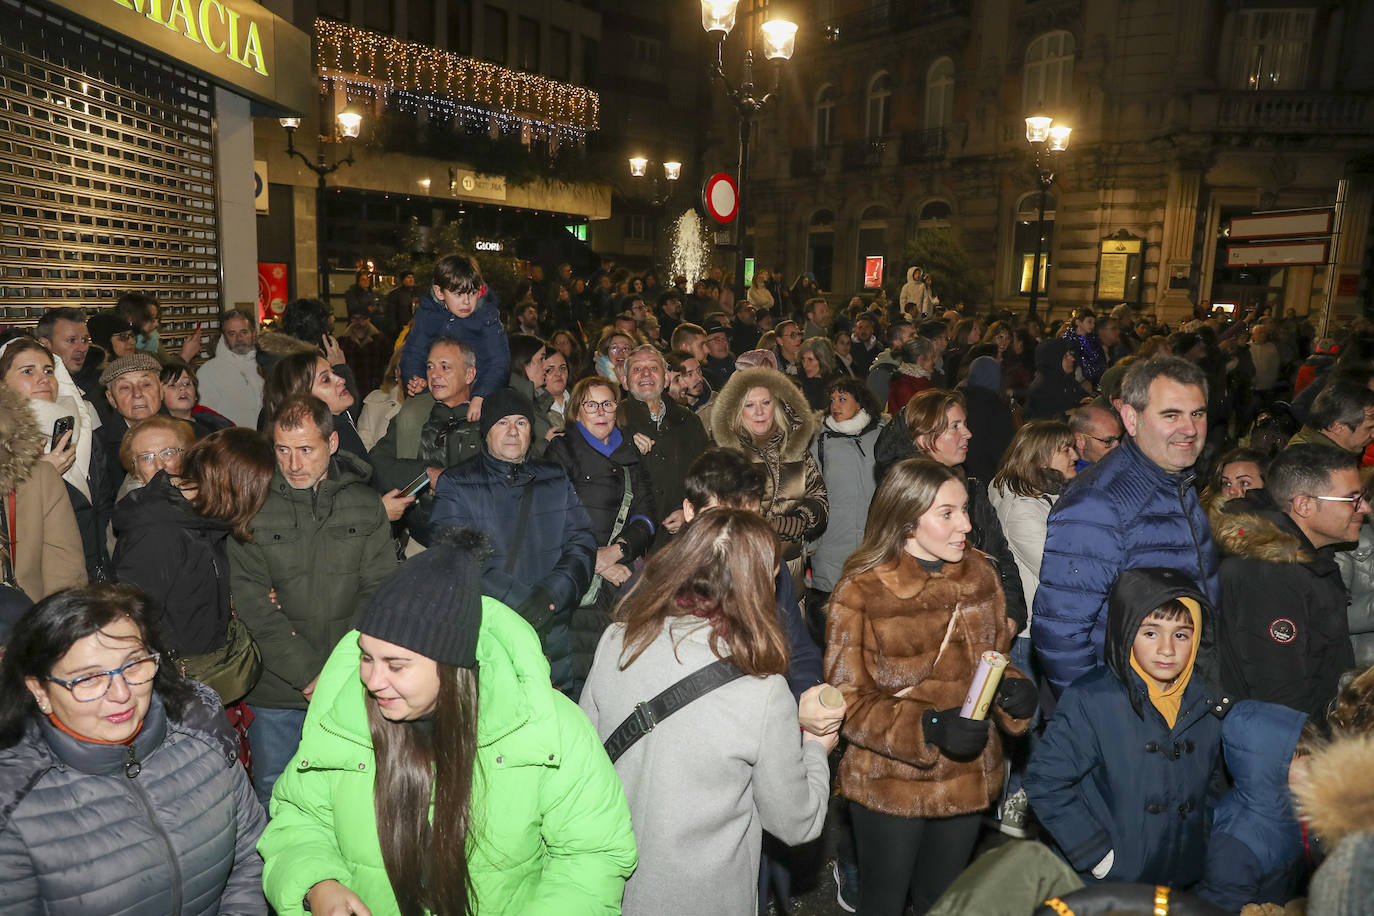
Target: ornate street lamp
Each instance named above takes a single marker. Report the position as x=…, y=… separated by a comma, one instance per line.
x=349, y=124
x=1047, y=140
x=779, y=41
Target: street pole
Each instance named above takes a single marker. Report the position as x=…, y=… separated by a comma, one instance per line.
x=322, y=277
x=741, y=249
x=1039, y=244
x=1337, y=217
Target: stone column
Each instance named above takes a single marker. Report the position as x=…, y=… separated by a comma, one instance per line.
x=303, y=218
x=1176, y=250
x=238, y=227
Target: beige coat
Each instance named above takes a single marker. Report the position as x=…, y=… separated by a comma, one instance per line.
x=48, y=555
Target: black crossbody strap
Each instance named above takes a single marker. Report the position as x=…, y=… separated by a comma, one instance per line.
x=522, y=525
x=647, y=715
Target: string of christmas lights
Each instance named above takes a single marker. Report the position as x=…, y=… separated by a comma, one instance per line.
x=382, y=68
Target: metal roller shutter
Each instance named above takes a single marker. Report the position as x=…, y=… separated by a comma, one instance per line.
x=107, y=175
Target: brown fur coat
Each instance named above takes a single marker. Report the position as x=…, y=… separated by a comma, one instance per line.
x=900, y=626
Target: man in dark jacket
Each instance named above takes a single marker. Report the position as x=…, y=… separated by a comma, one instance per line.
x=321, y=543
x=1136, y=507
x=1286, y=639
x=720, y=362
x=668, y=435
x=542, y=547
x=432, y=432
x=1054, y=390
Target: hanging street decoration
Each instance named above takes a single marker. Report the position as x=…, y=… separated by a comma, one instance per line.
x=369, y=66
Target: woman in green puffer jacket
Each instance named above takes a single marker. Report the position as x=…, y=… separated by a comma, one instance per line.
x=409, y=796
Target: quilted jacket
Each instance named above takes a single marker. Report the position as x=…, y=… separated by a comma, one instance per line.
x=82, y=831
x=1123, y=513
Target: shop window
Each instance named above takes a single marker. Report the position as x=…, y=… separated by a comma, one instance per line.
x=1023, y=241
x=825, y=116
x=1049, y=72
x=879, y=106
x=1270, y=50
x=939, y=93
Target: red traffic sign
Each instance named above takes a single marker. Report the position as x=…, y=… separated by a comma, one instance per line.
x=721, y=197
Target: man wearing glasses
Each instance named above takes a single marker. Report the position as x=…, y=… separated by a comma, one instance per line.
x=1096, y=431
x=1284, y=638
x=1136, y=507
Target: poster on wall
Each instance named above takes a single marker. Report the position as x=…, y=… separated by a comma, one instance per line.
x=272, y=291
x=873, y=272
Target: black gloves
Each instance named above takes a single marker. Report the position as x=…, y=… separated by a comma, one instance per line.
x=1018, y=697
x=538, y=610
x=958, y=738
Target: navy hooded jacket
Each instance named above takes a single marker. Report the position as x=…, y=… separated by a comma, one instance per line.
x=1256, y=853
x=1125, y=511
x=481, y=330
x=1110, y=775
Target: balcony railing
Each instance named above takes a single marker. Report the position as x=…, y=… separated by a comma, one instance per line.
x=883, y=19
x=1282, y=112
x=811, y=160
x=868, y=153
x=922, y=145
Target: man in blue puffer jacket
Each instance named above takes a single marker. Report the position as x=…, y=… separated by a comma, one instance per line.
x=542, y=567
x=1136, y=507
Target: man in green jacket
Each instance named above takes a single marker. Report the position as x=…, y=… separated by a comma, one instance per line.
x=320, y=544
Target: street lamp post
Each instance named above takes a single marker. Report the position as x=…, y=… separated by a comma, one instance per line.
x=1053, y=140
x=349, y=124
x=779, y=40
x=662, y=193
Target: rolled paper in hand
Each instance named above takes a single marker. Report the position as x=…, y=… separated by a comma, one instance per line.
x=831, y=698
x=984, y=685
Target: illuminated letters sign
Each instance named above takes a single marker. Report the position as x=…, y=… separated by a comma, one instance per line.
x=222, y=29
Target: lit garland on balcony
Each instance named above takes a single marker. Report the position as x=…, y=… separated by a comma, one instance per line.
x=372, y=66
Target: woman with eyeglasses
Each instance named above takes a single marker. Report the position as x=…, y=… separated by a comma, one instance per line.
x=118, y=777
x=614, y=487
x=155, y=444
x=173, y=544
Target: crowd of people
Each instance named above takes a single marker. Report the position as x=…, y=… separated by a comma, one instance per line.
x=394, y=621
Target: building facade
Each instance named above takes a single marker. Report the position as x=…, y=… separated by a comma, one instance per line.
x=902, y=116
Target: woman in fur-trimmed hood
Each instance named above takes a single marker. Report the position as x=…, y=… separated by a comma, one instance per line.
x=47, y=554
x=1336, y=798
x=764, y=415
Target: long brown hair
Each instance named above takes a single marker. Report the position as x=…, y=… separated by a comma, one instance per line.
x=1026, y=467
x=293, y=374
x=907, y=492
x=426, y=861
x=719, y=568
x=231, y=471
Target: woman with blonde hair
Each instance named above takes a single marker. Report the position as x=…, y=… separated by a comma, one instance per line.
x=707, y=782
x=762, y=413
x=381, y=405
x=913, y=613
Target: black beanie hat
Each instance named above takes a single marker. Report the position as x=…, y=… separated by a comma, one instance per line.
x=505, y=402
x=432, y=603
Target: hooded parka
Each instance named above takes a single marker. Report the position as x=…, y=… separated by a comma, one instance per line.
x=551, y=831
x=844, y=454
x=1110, y=774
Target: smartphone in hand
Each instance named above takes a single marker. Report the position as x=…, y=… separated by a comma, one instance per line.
x=416, y=485
x=63, y=425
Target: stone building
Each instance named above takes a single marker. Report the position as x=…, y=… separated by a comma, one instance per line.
x=898, y=116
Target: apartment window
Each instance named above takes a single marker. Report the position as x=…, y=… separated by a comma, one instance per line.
x=377, y=16
x=638, y=228
x=460, y=26
x=495, y=31
x=560, y=54
x=527, y=49
x=1271, y=49
x=934, y=215
x=589, y=60
x=332, y=9
x=646, y=50
x=939, y=93
x=1049, y=72
x=825, y=116
x=879, y=105
x=420, y=21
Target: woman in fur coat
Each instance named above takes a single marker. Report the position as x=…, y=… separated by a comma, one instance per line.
x=911, y=616
x=762, y=413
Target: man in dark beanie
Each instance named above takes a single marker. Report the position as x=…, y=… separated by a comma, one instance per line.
x=542, y=547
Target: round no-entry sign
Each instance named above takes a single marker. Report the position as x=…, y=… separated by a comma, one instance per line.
x=721, y=197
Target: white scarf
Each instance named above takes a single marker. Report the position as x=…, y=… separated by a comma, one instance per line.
x=851, y=427
x=69, y=403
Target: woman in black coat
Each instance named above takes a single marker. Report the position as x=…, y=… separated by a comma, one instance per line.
x=173, y=537
x=1054, y=389
x=989, y=418
x=614, y=487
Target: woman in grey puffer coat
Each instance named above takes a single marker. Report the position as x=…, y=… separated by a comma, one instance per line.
x=120, y=786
